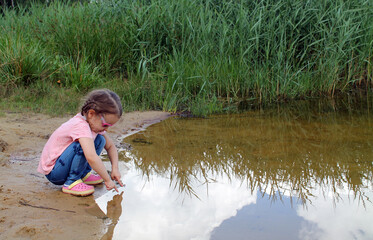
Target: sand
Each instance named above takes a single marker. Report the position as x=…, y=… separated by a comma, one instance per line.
x=30, y=206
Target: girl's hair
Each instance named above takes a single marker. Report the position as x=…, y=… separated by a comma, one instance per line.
x=103, y=101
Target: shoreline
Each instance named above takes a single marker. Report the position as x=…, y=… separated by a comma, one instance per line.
x=33, y=208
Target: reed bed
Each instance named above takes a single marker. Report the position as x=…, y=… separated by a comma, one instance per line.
x=203, y=56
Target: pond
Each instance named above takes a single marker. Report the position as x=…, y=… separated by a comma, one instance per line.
x=297, y=172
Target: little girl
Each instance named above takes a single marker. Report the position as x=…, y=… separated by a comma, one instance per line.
x=73, y=150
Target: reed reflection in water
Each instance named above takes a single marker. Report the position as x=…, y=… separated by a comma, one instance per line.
x=276, y=174
x=279, y=152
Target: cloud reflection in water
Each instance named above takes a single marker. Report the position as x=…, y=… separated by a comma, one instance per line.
x=153, y=210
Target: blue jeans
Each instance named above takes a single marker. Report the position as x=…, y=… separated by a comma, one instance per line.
x=72, y=164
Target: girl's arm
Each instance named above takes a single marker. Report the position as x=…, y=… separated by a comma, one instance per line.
x=113, y=156
x=95, y=161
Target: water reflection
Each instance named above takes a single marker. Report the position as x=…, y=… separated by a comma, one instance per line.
x=154, y=211
x=285, y=153
x=295, y=173
x=266, y=220
x=114, y=211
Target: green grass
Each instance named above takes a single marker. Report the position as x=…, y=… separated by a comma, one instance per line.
x=203, y=56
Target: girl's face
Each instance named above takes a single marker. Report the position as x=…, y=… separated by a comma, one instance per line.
x=101, y=122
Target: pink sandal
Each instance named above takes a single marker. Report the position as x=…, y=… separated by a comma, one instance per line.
x=78, y=188
x=92, y=179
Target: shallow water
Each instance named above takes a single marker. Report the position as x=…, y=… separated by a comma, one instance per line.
x=302, y=172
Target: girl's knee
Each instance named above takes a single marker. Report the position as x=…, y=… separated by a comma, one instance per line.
x=100, y=141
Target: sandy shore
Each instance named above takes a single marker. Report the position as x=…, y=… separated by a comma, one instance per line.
x=30, y=206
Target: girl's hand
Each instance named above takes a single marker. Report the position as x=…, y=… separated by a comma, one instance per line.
x=115, y=175
x=110, y=185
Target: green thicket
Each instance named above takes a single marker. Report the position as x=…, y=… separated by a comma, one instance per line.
x=203, y=56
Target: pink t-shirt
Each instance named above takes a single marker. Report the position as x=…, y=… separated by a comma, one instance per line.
x=77, y=127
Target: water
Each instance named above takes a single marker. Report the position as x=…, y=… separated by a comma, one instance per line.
x=303, y=172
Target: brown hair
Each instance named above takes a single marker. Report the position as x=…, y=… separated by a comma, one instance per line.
x=103, y=101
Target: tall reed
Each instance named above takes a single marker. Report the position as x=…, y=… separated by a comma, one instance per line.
x=199, y=55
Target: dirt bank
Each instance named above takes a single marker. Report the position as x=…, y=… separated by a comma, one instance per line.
x=30, y=206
